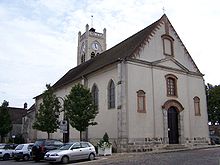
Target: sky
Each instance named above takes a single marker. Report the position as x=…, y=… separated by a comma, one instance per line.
x=38, y=38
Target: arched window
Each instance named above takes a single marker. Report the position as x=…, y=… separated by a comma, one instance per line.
x=171, y=82
x=95, y=95
x=83, y=58
x=141, y=107
x=197, y=106
x=111, y=94
x=92, y=55
x=167, y=45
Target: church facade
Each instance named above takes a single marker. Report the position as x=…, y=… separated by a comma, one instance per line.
x=148, y=89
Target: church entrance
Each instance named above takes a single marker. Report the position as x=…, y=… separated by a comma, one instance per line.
x=173, y=133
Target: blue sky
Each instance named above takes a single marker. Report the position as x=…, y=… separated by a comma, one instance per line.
x=39, y=37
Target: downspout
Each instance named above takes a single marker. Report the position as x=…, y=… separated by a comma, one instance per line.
x=154, y=120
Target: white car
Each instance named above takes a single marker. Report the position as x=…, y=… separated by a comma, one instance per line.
x=22, y=151
x=6, y=151
x=71, y=151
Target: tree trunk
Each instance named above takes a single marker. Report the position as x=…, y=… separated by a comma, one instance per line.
x=80, y=135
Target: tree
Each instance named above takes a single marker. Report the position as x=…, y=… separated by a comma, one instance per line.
x=5, y=120
x=47, y=117
x=80, y=109
x=213, y=102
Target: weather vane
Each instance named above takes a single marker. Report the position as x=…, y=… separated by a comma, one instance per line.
x=163, y=10
x=163, y=7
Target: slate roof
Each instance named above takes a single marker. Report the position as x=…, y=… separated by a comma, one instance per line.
x=123, y=50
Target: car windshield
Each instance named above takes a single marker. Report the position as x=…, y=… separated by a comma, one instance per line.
x=19, y=147
x=39, y=142
x=2, y=146
x=66, y=146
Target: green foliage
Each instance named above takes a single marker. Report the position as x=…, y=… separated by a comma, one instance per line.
x=104, y=142
x=213, y=101
x=5, y=121
x=80, y=109
x=47, y=117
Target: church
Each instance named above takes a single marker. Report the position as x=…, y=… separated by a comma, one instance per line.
x=148, y=89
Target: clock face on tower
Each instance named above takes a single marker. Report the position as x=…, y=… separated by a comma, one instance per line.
x=96, y=46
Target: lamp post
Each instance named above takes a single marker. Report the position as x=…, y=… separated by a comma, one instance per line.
x=13, y=138
x=64, y=124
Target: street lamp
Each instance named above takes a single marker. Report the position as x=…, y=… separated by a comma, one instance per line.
x=13, y=138
x=64, y=124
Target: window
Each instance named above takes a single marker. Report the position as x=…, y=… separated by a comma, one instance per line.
x=95, y=92
x=76, y=145
x=141, y=101
x=83, y=58
x=85, y=145
x=92, y=55
x=197, y=106
x=167, y=45
x=171, y=81
x=111, y=95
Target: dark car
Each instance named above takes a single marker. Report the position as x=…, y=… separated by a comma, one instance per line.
x=214, y=139
x=42, y=146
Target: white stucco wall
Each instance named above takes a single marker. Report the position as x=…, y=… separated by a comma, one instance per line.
x=139, y=124
x=153, y=82
x=106, y=118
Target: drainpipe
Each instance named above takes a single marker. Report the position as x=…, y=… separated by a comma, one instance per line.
x=154, y=120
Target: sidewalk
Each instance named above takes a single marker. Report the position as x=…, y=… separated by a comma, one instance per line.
x=130, y=154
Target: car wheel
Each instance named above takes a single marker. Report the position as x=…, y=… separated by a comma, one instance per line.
x=65, y=160
x=16, y=159
x=26, y=157
x=6, y=157
x=91, y=156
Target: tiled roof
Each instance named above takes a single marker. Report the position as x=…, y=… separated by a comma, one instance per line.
x=123, y=50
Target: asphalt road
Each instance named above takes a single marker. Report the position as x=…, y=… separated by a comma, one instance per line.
x=209, y=156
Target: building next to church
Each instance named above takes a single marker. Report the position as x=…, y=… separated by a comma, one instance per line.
x=16, y=114
x=148, y=89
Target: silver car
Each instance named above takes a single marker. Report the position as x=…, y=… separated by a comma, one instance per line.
x=71, y=151
x=22, y=151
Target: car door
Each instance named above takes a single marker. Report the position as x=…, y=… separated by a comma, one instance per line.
x=86, y=150
x=76, y=151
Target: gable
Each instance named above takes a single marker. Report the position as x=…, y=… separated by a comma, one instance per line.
x=170, y=63
x=157, y=48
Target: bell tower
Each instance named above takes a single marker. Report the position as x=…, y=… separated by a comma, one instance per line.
x=90, y=44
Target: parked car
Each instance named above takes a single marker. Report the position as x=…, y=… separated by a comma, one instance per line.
x=22, y=151
x=71, y=151
x=6, y=151
x=42, y=146
x=214, y=139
